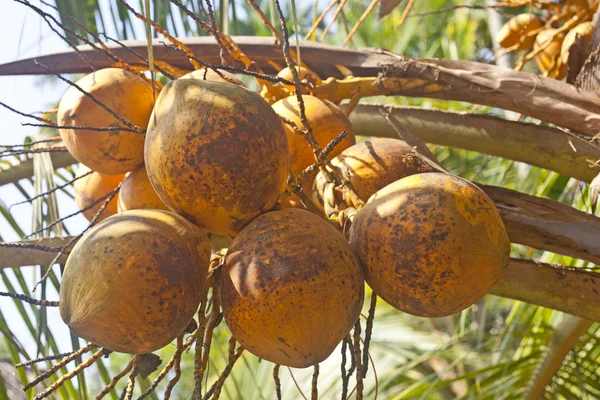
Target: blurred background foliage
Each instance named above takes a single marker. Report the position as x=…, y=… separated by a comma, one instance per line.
x=497, y=349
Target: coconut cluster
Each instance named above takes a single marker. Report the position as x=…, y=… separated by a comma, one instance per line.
x=207, y=157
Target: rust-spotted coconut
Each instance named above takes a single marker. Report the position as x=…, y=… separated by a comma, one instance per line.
x=216, y=153
x=369, y=166
x=108, y=152
x=137, y=192
x=133, y=283
x=430, y=244
x=291, y=288
x=519, y=31
x=91, y=188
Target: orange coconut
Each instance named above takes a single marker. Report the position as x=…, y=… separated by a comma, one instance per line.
x=430, y=244
x=216, y=153
x=137, y=192
x=291, y=288
x=132, y=283
x=91, y=188
x=108, y=152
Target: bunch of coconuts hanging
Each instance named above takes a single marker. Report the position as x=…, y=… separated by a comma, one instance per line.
x=215, y=159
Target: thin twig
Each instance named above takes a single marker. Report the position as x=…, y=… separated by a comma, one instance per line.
x=69, y=183
x=231, y=359
x=277, y=381
x=314, y=394
x=32, y=246
x=360, y=21
x=197, y=394
x=177, y=368
x=168, y=366
x=359, y=377
x=68, y=376
x=368, y=332
x=345, y=375
x=33, y=143
x=86, y=128
x=113, y=382
x=98, y=102
x=22, y=297
x=51, y=149
x=42, y=359
x=128, y=392
x=208, y=334
x=58, y=366
x=298, y=87
x=215, y=32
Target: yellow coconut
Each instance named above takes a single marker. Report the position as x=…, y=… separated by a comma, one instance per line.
x=91, y=188
x=132, y=284
x=430, y=244
x=137, y=192
x=108, y=152
x=291, y=288
x=216, y=153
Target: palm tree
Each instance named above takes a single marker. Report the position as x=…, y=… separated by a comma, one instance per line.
x=498, y=348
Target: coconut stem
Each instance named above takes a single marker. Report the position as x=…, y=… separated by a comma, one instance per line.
x=177, y=362
x=315, y=380
x=69, y=375
x=277, y=381
x=58, y=366
x=233, y=356
x=359, y=376
x=368, y=332
x=113, y=382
